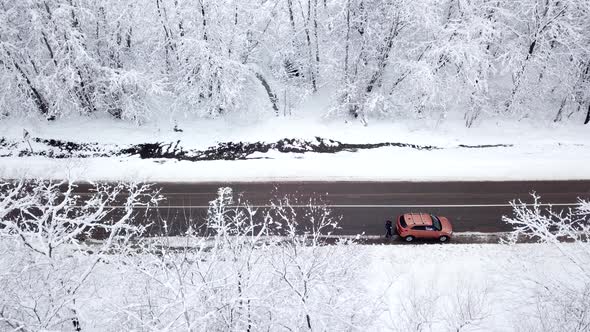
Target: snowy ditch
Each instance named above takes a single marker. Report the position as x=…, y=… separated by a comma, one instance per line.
x=52, y=148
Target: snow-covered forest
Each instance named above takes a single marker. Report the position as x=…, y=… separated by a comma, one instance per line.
x=397, y=59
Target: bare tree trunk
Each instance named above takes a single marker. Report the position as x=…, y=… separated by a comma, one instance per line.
x=317, y=40
x=128, y=37
x=49, y=48
x=519, y=75
x=129, y=31
x=101, y=17
x=361, y=30
x=271, y=95
x=82, y=89
x=76, y=321
x=233, y=33
x=312, y=69
x=180, y=22
x=291, y=17
x=347, y=45
x=347, y=97
x=582, y=95
x=75, y=22
x=474, y=100
x=204, y=20
x=168, y=45
x=558, y=116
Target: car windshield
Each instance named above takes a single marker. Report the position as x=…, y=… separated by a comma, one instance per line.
x=402, y=222
x=436, y=222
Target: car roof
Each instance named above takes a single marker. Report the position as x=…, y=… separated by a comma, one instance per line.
x=418, y=219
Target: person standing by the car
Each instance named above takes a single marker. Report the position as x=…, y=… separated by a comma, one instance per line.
x=388, y=228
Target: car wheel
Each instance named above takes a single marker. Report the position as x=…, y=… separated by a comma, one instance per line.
x=409, y=238
x=443, y=238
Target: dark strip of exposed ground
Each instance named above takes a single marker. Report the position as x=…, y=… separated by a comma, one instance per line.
x=60, y=149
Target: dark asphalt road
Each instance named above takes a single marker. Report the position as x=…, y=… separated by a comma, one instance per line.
x=364, y=206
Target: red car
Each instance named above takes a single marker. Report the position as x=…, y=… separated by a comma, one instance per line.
x=412, y=226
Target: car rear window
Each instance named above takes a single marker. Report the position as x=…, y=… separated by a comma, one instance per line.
x=402, y=222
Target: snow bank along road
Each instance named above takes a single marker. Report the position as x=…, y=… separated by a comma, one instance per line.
x=364, y=206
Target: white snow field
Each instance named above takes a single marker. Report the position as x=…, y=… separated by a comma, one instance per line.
x=490, y=287
x=538, y=151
